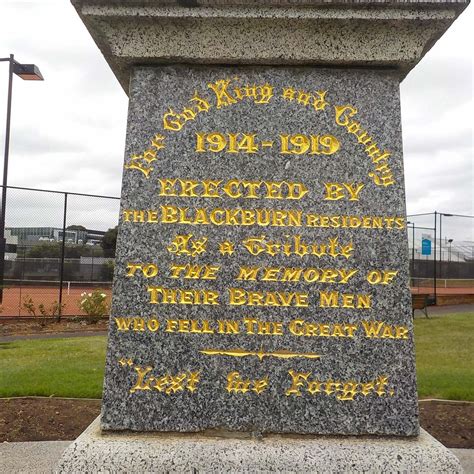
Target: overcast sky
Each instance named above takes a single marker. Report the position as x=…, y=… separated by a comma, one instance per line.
x=68, y=132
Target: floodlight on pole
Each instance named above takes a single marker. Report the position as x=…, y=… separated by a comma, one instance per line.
x=28, y=72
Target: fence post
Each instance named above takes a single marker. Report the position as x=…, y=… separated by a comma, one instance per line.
x=61, y=267
x=435, y=258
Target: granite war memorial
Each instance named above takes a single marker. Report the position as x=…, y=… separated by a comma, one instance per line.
x=261, y=295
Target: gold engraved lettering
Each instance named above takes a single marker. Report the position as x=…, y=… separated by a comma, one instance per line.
x=213, y=142
x=296, y=246
x=241, y=297
x=381, y=277
x=381, y=330
x=228, y=327
x=300, y=327
x=140, y=384
x=315, y=100
x=200, y=104
x=349, y=390
x=308, y=144
x=270, y=328
x=342, y=390
x=139, y=324
x=167, y=187
x=223, y=96
x=298, y=380
x=319, y=101
x=382, y=174
x=259, y=94
x=236, y=385
x=337, y=191
x=260, y=217
x=264, y=94
x=354, y=222
x=308, y=275
x=303, y=98
x=289, y=93
x=142, y=162
x=123, y=324
x=149, y=270
x=157, y=142
x=174, y=121
x=233, y=189
x=171, y=121
x=196, y=272
x=175, y=383
x=191, y=326
x=334, y=299
x=260, y=385
x=226, y=248
x=186, y=245
x=167, y=384
x=136, y=324
x=380, y=385
x=246, y=144
x=161, y=295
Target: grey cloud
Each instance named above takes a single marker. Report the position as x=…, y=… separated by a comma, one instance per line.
x=428, y=141
x=25, y=140
x=69, y=132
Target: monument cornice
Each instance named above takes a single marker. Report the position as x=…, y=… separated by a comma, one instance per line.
x=383, y=34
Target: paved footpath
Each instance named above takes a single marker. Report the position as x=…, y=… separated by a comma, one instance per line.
x=34, y=457
x=450, y=308
x=41, y=457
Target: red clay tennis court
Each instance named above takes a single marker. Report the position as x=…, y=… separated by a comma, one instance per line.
x=47, y=294
x=14, y=296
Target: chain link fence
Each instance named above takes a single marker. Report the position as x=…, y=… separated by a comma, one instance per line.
x=441, y=247
x=57, y=246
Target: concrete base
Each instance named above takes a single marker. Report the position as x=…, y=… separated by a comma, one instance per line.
x=38, y=457
x=94, y=452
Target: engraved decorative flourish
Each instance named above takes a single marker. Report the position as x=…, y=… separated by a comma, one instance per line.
x=282, y=354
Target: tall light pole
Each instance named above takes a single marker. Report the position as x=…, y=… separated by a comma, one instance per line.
x=28, y=72
x=441, y=214
x=412, y=251
x=435, y=263
x=450, y=241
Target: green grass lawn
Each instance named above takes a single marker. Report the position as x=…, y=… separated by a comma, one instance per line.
x=445, y=356
x=74, y=367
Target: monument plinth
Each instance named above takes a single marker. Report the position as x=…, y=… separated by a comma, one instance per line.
x=261, y=292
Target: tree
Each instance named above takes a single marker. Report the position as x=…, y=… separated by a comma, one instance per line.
x=45, y=250
x=53, y=250
x=75, y=227
x=109, y=242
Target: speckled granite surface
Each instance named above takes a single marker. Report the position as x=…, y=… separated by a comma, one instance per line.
x=130, y=453
x=380, y=371
x=395, y=34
